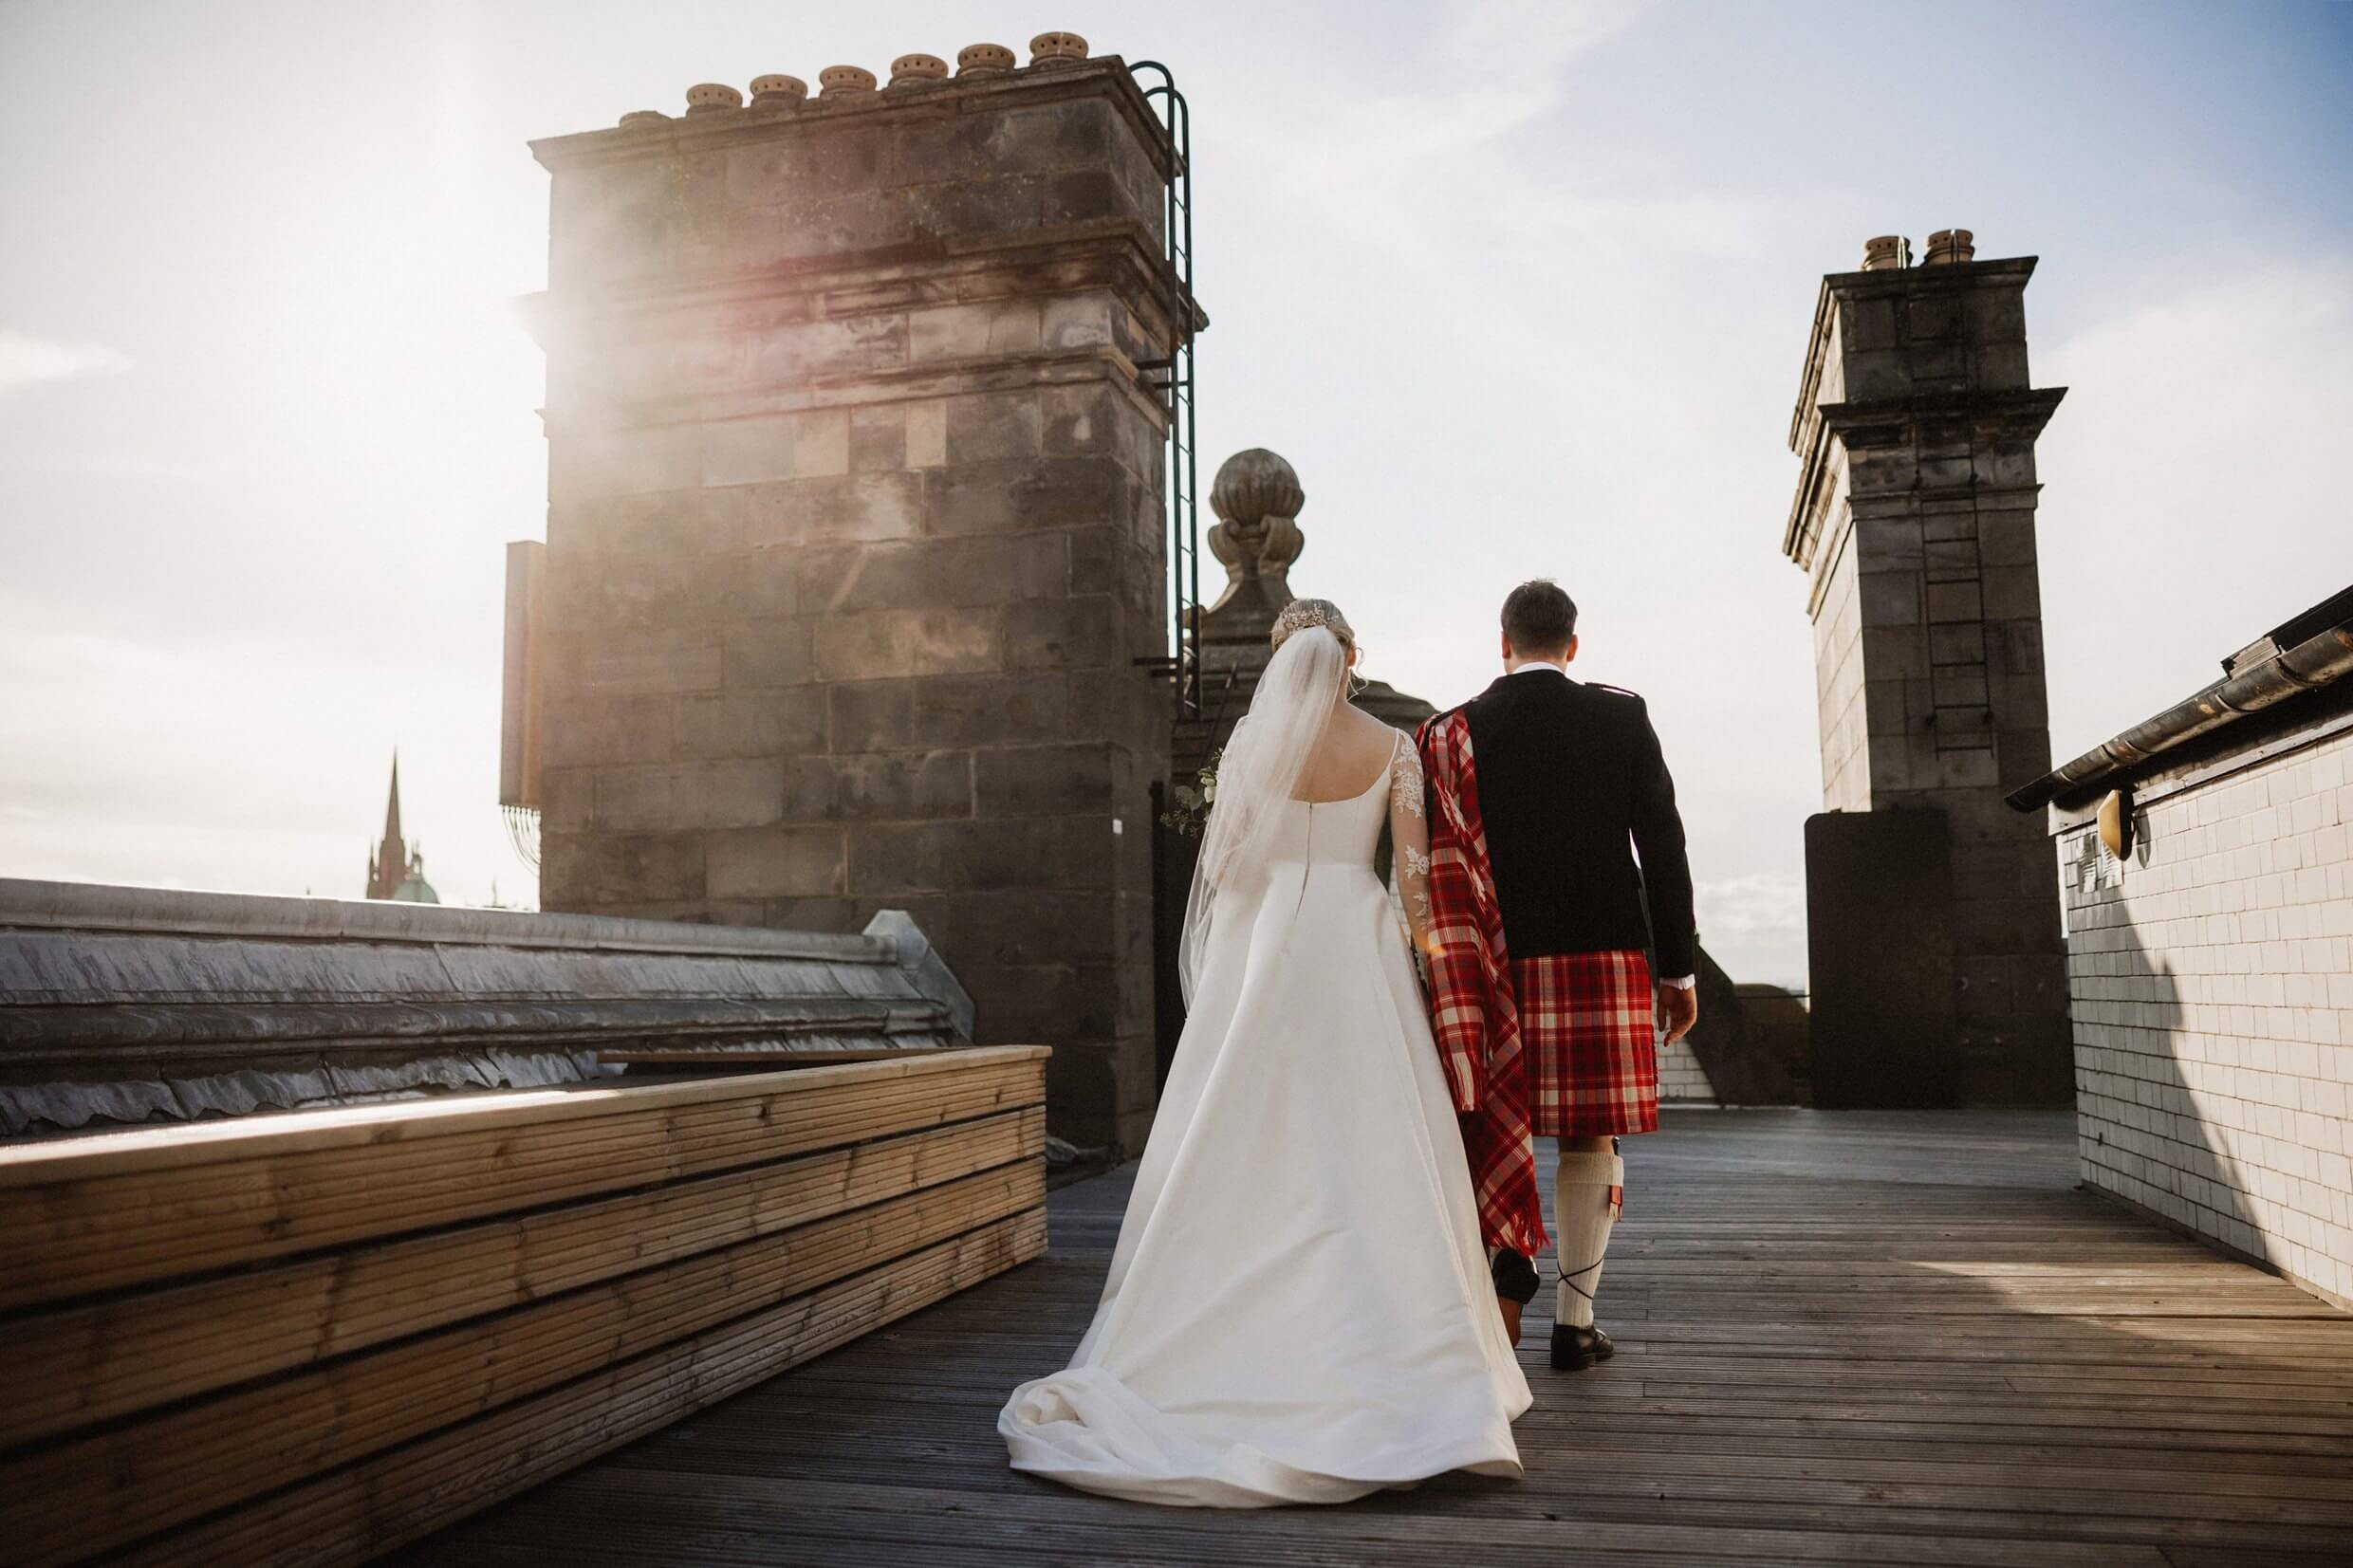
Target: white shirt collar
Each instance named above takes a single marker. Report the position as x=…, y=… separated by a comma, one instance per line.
x=1561, y=669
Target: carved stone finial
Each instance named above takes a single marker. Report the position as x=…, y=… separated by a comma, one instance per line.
x=1257, y=499
x=1057, y=48
x=984, y=60
x=781, y=91
x=837, y=81
x=914, y=70
x=1947, y=247
x=1886, y=252
x=1254, y=485
x=646, y=117
x=710, y=97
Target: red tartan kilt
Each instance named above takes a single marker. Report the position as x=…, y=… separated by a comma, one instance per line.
x=1588, y=1024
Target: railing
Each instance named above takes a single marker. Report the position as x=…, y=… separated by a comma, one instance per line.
x=1174, y=377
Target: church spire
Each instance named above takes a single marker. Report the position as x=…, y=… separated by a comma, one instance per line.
x=395, y=871
x=391, y=809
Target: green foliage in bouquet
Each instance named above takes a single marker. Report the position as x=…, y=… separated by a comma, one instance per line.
x=1190, y=814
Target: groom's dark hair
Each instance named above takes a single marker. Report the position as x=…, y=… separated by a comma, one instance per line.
x=1539, y=619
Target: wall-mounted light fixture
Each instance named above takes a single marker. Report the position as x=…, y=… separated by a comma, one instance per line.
x=2116, y=822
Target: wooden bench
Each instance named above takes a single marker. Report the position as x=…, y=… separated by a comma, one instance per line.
x=316, y=1336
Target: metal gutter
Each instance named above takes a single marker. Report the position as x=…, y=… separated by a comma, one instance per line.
x=2315, y=662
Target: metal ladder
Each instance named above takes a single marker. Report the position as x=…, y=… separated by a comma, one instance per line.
x=1173, y=378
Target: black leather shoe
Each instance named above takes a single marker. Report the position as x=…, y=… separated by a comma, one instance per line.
x=1575, y=1349
x=1515, y=1277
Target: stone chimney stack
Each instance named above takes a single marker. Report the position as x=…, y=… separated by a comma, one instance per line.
x=856, y=529
x=1937, y=964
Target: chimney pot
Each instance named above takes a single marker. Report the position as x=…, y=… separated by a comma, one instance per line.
x=710, y=97
x=984, y=59
x=646, y=117
x=1057, y=48
x=911, y=70
x=837, y=79
x=1886, y=252
x=782, y=90
x=1949, y=246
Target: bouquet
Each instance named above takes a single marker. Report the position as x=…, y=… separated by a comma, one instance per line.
x=1190, y=814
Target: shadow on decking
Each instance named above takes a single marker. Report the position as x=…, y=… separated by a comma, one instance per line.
x=1860, y=1337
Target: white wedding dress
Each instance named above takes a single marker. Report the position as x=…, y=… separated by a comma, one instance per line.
x=1299, y=1309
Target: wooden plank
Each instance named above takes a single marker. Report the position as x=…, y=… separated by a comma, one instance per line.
x=761, y=1056
x=1936, y=1354
x=126, y=1353
x=310, y=1190
x=1477, y=1525
x=178, y=1148
x=67, y=1500
x=725, y=1441
x=400, y=1495
x=822, y=1097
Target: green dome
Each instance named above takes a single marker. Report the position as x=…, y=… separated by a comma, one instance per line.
x=414, y=888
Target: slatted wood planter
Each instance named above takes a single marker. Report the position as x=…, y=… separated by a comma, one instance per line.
x=314, y=1338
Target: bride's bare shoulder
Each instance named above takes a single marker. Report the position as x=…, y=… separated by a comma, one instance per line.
x=1360, y=745
x=1362, y=732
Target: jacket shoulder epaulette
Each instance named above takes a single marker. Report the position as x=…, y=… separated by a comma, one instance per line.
x=1613, y=690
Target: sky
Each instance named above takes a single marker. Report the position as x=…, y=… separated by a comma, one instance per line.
x=1519, y=288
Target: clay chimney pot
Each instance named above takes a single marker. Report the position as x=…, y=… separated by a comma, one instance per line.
x=984, y=59
x=646, y=117
x=1886, y=252
x=911, y=70
x=1947, y=247
x=845, y=79
x=778, y=89
x=712, y=96
x=1057, y=48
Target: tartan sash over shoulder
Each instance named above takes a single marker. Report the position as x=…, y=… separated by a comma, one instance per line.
x=1473, y=1012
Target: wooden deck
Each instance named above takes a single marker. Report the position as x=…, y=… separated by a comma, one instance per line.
x=1856, y=1338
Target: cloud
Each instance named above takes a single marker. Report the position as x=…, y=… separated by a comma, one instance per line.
x=2194, y=498
x=1379, y=167
x=140, y=466
x=28, y=361
x=248, y=758
x=1760, y=920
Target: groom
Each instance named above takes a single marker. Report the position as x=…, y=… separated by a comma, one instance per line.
x=1542, y=792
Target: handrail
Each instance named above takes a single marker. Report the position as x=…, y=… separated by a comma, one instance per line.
x=1177, y=383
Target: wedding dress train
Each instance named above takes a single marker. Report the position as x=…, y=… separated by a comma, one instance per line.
x=1299, y=1309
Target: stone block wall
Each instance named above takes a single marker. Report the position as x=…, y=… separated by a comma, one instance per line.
x=855, y=533
x=2211, y=975
x=1838, y=678
x=1915, y=518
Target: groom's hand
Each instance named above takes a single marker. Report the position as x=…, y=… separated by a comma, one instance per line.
x=1679, y=1009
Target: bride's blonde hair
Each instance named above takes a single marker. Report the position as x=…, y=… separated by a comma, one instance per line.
x=1258, y=771
x=1300, y=613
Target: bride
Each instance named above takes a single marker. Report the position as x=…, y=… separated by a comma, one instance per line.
x=1299, y=1309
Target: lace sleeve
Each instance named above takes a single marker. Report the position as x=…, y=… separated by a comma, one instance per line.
x=1409, y=831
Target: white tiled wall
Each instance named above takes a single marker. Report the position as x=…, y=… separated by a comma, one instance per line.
x=1681, y=1080
x=2211, y=985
